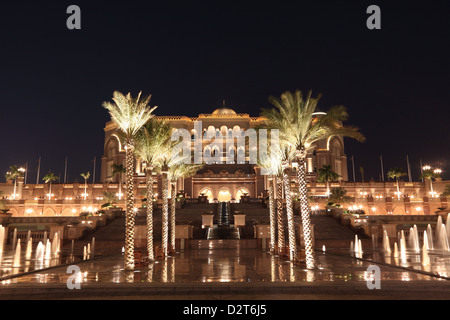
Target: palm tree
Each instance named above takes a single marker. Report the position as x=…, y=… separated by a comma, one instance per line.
x=167, y=160
x=49, y=178
x=396, y=173
x=85, y=176
x=129, y=114
x=326, y=174
x=270, y=168
x=278, y=164
x=338, y=196
x=118, y=169
x=430, y=174
x=152, y=142
x=299, y=126
x=13, y=174
x=110, y=199
x=176, y=172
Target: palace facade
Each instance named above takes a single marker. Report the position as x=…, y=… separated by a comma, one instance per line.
x=227, y=181
x=228, y=178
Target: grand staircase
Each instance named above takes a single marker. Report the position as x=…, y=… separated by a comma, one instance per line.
x=223, y=229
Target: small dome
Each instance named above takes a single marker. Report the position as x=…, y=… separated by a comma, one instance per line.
x=224, y=110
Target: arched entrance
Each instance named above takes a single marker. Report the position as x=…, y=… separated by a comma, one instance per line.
x=241, y=192
x=208, y=193
x=224, y=195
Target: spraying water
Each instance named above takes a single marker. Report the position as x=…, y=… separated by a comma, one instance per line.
x=29, y=248
x=16, y=262
x=40, y=251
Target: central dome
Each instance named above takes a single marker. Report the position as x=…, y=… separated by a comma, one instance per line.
x=224, y=110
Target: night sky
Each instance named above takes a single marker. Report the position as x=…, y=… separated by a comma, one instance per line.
x=191, y=55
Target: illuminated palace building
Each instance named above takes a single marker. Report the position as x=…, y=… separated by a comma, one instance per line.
x=230, y=177
x=230, y=180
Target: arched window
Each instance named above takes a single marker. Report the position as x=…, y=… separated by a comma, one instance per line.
x=224, y=195
x=241, y=192
x=208, y=193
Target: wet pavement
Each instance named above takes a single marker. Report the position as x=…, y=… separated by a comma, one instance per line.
x=218, y=274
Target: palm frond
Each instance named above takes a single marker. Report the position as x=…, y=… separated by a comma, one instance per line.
x=129, y=114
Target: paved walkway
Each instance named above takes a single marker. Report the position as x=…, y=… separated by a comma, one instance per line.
x=226, y=274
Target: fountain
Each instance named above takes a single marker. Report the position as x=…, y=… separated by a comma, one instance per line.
x=84, y=253
x=40, y=251
x=438, y=227
x=414, y=239
x=357, y=247
x=386, y=244
x=48, y=250
x=430, y=237
x=29, y=248
x=16, y=262
x=45, y=237
x=425, y=240
x=447, y=225
x=403, y=249
x=55, y=244
x=395, y=255
x=425, y=256
x=443, y=239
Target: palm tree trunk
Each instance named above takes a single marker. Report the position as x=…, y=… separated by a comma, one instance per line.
x=50, y=191
x=305, y=211
x=272, y=217
x=165, y=213
x=129, y=206
x=280, y=223
x=120, y=186
x=328, y=189
x=149, y=180
x=289, y=213
x=398, y=190
x=15, y=183
x=172, y=217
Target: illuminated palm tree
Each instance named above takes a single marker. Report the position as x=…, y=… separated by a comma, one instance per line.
x=110, y=199
x=85, y=176
x=430, y=174
x=326, y=174
x=278, y=164
x=396, y=173
x=49, y=178
x=129, y=114
x=300, y=126
x=118, y=169
x=168, y=159
x=152, y=141
x=270, y=169
x=177, y=171
x=13, y=174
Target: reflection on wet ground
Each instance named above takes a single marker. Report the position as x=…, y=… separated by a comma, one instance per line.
x=203, y=266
